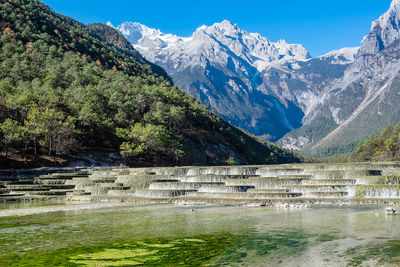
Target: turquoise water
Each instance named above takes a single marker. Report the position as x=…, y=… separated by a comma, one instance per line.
x=209, y=236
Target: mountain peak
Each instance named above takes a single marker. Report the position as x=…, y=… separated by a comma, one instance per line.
x=135, y=31
x=225, y=24
x=225, y=27
x=395, y=3
x=208, y=40
x=384, y=30
x=110, y=24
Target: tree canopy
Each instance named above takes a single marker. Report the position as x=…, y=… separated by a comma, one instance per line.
x=64, y=88
x=384, y=147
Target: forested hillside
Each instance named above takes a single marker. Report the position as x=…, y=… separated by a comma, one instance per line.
x=114, y=38
x=385, y=147
x=64, y=90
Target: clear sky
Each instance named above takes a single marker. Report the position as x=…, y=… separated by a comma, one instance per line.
x=320, y=25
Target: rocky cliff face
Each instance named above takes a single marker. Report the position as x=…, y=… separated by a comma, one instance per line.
x=384, y=31
x=363, y=101
x=261, y=86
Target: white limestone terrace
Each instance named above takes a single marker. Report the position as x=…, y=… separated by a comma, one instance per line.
x=311, y=184
x=351, y=184
x=214, y=42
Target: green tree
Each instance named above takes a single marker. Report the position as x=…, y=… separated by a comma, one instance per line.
x=148, y=141
x=49, y=128
x=35, y=125
x=392, y=145
x=271, y=158
x=12, y=133
x=50, y=82
x=231, y=161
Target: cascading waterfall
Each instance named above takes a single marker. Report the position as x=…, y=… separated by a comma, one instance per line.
x=279, y=172
x=291, y=183
x=326, y=194
x=178, y=186
x=224, y=189
x=222, y=171
x=342, y=174
x=330, y=182
x=145, y=193
x=382, y=193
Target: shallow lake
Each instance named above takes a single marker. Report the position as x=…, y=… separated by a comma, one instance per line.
x=205, y=236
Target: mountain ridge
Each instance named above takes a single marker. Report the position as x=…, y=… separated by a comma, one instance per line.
x=256, y=84
x=322, y=106
x=363, y=101
x=138, y=34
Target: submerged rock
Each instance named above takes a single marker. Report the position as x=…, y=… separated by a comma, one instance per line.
x=390, y=211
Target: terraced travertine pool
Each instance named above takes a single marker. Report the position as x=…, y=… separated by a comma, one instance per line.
x=334, y=185
x=201, y=236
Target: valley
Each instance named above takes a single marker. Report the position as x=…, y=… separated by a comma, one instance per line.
x=126, y=146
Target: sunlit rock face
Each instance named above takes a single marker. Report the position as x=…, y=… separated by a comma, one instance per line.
x=384, y=31
x=363, y=101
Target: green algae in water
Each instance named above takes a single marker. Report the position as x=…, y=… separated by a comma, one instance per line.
x=216, y=250
x=171, y=236
x=275, y=245
x=200, y=251
x=326, y=238
x=388, y=253
x=114, y=257
x=195, y=251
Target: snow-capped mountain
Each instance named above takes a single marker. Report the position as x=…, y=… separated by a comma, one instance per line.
x=363, y=101
x=261, y=86
x=384, y=31
x=324, y=105
x=342, y=56
x=146, y=37
x=252, y=47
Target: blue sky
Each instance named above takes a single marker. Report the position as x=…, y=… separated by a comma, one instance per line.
x=320, y=25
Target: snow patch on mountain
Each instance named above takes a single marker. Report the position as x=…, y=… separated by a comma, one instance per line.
x=110, y=24
x=145, y=37
x=342, y=56
x=213, y=41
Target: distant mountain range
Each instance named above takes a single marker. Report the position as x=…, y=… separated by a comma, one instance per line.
x=275, y=90
x=363, y=101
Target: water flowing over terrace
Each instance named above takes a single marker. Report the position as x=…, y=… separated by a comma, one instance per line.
x=314, y=184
